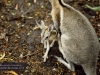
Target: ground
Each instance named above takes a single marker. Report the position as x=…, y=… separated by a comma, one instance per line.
x=20, y=39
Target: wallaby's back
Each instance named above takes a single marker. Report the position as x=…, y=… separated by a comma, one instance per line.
x=79, y=40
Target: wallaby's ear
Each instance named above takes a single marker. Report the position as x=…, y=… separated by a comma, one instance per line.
x=40, y=25
x=49, y=0
x=53, y=32
x=51, y=27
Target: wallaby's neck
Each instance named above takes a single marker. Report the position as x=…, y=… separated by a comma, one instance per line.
x=54, y=3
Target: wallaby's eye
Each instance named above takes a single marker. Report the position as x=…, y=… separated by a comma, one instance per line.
x=47, y=37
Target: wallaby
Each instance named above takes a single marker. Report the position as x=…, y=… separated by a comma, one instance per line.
x=79, y=41
x=47, y=37
x=55, y=13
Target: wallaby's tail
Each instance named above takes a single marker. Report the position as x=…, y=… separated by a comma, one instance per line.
x=63, y=4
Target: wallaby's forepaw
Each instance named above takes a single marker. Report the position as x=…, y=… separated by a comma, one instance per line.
x=45, y=57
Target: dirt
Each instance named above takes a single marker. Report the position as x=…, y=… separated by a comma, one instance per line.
x=21, y=42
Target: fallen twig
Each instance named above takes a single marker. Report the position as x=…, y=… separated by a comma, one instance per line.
x=35, y=28
x=11, y=72
x=3, y=55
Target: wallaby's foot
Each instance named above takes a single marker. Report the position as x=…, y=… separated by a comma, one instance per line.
x=68, y=65
x=45, y=57
x=59, y=58
x=90, y=68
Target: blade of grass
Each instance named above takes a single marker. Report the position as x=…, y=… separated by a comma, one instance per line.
x=93, y=8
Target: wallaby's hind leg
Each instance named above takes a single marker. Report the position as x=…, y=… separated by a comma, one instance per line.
x=69, y=65
x=89, y=69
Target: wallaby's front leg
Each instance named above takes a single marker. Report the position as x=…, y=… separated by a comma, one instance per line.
x=69, y=65
x=47, y=50
x=45, y=44
x=52, y=43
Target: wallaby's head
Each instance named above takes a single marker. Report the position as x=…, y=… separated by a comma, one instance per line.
x=47, y=31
